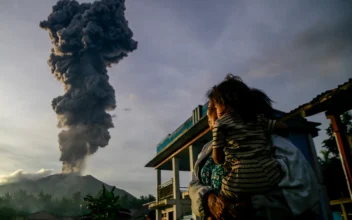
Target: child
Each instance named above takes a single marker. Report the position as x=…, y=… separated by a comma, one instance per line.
x=241, y=139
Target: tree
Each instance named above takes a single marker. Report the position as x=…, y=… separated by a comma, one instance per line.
x=65, y=206
x=138, y=202
x=330, y=143
x=6, y=200
x=325, y=160
x=44, y=200
x=22, y=202
x=105, y=206
x=105, y=203
x=333, y=174
x=7, y=213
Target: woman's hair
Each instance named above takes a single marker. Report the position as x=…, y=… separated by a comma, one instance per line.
x=211, y=111
x=238, y=98
x=263, y=103
x=211, y=108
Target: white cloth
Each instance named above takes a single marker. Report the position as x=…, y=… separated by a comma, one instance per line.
x=299, y=184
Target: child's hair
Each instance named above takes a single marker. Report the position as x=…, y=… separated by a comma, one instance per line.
x=238, y=98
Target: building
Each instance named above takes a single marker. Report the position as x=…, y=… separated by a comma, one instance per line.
x=178, y=152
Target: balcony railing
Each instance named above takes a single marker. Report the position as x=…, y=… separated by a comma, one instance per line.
x=166, y=190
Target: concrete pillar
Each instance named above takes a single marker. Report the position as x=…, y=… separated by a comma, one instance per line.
x=193, y=155
x=158, y=182
x=176, y=188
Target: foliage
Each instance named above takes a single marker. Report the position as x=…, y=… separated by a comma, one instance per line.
x=24, y=203
x=333, y=174
x=105, y=206
x=330, y=143
x=7, y=213
x=109, y=206
x=138, y=202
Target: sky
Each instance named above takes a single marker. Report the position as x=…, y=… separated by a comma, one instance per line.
x=293, y=50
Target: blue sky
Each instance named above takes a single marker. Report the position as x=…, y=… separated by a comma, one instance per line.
x=293, y=50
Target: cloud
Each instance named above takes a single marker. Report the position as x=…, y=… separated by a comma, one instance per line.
x=21, y=175
x=324, y=49
x=127, y=109
x=319, y=47
x=132, y=96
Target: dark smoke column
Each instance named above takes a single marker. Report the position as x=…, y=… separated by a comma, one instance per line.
x=87, y=38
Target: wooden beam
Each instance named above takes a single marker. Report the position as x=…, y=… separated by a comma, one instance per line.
x=179, y=142
x=183, y=147
x=337, y=104
x=340, y=108
x=343, y=147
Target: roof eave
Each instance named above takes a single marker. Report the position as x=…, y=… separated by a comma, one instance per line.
x=336, y=100
x=182, y=139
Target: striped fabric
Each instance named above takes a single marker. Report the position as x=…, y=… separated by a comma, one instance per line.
x=249, y=155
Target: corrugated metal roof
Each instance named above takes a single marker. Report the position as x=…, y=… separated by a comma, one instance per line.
x=329, y=94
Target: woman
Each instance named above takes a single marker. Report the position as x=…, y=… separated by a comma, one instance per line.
x=289, y=202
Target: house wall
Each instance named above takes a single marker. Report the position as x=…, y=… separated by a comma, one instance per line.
x=301, y=141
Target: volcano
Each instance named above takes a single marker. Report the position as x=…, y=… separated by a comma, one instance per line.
x=60, y=185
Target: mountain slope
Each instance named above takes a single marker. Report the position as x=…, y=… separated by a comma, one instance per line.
x=60, y=185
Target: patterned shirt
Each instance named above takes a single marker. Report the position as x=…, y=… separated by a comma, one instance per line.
x=212, y=174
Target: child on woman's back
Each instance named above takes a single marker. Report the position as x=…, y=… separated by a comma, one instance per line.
x=241, y=139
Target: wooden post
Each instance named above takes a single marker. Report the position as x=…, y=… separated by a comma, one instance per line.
x=343, y=147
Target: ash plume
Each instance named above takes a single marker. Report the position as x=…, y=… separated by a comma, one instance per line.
x=87, y=38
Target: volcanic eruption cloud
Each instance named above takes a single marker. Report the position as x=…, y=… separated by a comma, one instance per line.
x=87, y=38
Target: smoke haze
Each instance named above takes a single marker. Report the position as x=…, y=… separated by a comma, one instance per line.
x=21, y=175
x=87, y=38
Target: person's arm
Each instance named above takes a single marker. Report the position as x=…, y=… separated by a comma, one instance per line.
x=281, y=129
x=276, y=127
x=218, y=155
x=218, y=144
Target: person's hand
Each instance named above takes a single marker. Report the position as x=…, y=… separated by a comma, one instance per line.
x=211, y=113
x=223, y=209
x=216, y=207
x=220, y=208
